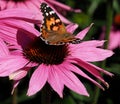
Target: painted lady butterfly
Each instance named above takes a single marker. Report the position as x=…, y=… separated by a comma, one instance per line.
x=53, y=31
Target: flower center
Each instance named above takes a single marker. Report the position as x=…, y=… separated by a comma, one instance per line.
x=39, y=52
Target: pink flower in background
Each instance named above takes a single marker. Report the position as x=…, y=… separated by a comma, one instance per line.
x=34, y=5
x=114, y=38
x=13, y=19
x=56, y=65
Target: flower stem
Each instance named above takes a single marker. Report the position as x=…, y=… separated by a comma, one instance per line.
x=14, y=98
x=109, y=16
x=46, y=95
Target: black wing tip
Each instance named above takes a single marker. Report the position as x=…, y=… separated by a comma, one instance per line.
x=43, y=4
x=77, y=41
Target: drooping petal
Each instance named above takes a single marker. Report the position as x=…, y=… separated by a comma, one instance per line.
x=19, y=74
x=77, y=70
x=71, y=81
x=91, y=69
x=15, y=84
x=40, y=76
x=55, y=81
x=101, y=70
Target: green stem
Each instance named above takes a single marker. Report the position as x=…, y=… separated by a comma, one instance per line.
x=46, y=95
x=109, y=16
x=14, y=98
x=93, y=6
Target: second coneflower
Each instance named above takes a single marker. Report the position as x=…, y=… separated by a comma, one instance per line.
x=114, y=38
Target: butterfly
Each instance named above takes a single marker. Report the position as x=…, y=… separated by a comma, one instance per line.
x=53, y=31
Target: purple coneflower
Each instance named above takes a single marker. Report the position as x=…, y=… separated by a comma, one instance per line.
x=56, y=65
x=34, y=5
x=114, y=38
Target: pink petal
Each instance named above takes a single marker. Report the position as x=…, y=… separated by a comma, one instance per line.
x=17, y=52
x=91, y=43
x=36, y=2
x=71, y=27
x=10, y=4
x=8, y=33
x=19, y=14
x=19, y=74
x=87, y=51
x=38, y=79
x=92, y=54
x=31, y=5
x=101, y=70
x=55, y=81
x=87, y=44
x=10, y=64
x=2, y=4
x=65, y=20
x=114, y=40
x=16, y=82
x=3, y=49
x=80, y=72
x=21, y=5
x=53, y=2
x=82, y=34
x=23, y=26
x=91, y=69
x=71, y=81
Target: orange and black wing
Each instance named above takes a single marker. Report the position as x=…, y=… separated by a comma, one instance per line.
x=53, y=31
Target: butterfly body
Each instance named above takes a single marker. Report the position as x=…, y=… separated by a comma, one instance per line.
x=53, y=31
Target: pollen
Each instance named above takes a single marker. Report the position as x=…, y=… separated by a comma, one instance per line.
x=40, y=52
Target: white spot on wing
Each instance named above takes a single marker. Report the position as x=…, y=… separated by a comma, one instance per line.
x=46, y=14
x=52, y=12
x=47, y=6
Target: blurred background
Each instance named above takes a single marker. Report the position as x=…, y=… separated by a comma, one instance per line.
x=102, y=13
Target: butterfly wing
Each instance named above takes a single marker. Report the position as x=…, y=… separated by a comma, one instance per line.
x=53, y=31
